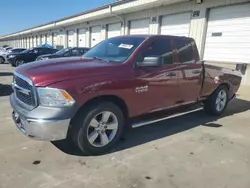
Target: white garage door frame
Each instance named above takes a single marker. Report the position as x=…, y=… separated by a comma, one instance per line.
x=139, y=26
x=82, y=41
x=227, y=37
x=95, y=35
x=176, y=24
x=114, y=29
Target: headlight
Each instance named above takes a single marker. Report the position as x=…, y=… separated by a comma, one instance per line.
x=44, y=58
x=54, y=97
x=11, y=56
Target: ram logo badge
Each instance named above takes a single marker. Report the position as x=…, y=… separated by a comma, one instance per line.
x=141, y=89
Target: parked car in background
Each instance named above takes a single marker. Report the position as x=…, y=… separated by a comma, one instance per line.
x=3, y=55
x=67, y=52
x=121, y=81
x=16, y=50
x=7, y=48
x=29, y=55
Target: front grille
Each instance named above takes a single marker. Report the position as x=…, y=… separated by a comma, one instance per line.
x=24, y=91
x=22, y=83
x=27, y=99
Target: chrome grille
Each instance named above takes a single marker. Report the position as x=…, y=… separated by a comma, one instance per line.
x=24, y=90
x=22, y=83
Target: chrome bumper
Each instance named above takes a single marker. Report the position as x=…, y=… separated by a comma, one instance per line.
x=40, y=129
x=42, y=123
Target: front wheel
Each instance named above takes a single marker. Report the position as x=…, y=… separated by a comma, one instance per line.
x=19, y=63
x=97, y=129
x=216, y=104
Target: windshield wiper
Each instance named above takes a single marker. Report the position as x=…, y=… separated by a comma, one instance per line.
x=95, y=57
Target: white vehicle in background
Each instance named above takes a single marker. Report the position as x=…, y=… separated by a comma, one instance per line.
x=9, y=50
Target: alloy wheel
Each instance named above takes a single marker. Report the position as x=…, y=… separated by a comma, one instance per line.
x=221, y=100
x=102, y=129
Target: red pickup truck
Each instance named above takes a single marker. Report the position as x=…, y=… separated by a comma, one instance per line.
x=89, y=100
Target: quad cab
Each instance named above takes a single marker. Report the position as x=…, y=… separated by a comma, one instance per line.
x=91, y=99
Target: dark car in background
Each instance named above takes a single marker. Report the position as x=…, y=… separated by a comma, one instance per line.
x=67, y=52
x=29, y=55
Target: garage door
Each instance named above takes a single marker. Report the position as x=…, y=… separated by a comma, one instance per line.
x=43, y=39
x=38, y=40
x=82, y=37
x=96, y=36
x=114, y=30
x=71, y=38
x=228, y=34
x=139, y=27
x=177, y=24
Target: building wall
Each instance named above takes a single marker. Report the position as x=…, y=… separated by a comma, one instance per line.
x=153, y=11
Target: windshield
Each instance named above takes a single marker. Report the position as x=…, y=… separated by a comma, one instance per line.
x=62, y=51
x=115, y=49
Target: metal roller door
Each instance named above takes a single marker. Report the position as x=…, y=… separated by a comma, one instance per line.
x=228, y=34
x=96, y=35
x=37, y=40
x=43, y=39
x=177, y=24
x=71, y=38
x=82, y=37
x=114, y=30
x=139, y=27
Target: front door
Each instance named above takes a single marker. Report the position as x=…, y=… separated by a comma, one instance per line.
x=157, y=87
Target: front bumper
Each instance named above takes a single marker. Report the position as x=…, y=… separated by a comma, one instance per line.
x=11, y=61
x=41, y=123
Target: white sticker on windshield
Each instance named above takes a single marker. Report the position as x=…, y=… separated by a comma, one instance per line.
x=127, y=46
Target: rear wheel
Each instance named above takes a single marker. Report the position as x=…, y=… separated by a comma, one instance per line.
x=216, y=104
x=2, y=60
x=97, y=129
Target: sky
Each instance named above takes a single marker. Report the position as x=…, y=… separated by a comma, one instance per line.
x=18, y=15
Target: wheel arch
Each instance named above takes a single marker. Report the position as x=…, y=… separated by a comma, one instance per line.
x=108, y=98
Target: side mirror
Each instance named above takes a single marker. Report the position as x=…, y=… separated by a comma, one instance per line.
x=149, y=62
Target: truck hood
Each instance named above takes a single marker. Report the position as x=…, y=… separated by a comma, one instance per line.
x=46, y=72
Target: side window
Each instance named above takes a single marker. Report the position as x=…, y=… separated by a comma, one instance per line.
x=82, y=51
x=74, y=52
x=35, y=51
x=185, y=51
x=161, y=48
x=41, y=51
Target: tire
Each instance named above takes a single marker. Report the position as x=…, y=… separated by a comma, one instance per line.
x=2, y=60
x=90, y=135
x=216, y=104
x=19, y=63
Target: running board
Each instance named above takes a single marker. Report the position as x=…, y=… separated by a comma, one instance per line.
x=142, y=123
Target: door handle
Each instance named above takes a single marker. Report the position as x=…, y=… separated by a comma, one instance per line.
x=196, y=71
x=171, y=74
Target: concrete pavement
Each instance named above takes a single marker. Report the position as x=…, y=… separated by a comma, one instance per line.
x=192, y=151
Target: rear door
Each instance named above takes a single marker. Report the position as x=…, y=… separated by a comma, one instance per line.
x=190, y=78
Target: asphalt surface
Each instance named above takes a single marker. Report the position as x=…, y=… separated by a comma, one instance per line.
x=192, y=151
